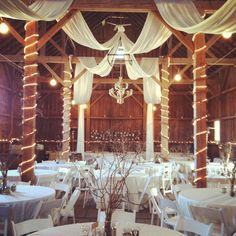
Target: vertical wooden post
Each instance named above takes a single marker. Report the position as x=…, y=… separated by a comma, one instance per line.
x=67, y=94
x=199, y=109
x=87, y=127
x=165, y=110
x=29, y=101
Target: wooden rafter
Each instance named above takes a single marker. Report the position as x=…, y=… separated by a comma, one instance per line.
x=183, y=39
x=78, y=76
x=14, y=33
x=52, y=31
x=54, y=74
x=212, y=41
x=136, y=100
x=173, y=61
x=137, y=87
x=97, y=99
x=172, y=50
x=61, y=50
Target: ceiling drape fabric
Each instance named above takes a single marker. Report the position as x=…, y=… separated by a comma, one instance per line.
x=152, y=95
x=153, y=35
x=183, y=15
x=82, y=94
x=46, y=10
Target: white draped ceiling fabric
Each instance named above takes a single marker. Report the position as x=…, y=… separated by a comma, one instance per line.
x=184, y=16
x=46, y=10
x=82, y=94
x=152, y=95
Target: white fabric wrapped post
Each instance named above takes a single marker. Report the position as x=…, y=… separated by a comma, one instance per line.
x=82, y=94
x=152, y=95
x=184, y=16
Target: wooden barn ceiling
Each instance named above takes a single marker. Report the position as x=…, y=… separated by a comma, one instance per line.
x=133, y=13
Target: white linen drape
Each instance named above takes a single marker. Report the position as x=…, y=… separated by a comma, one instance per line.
x=153, y=35
x=82, y=95
x=183, y=15
x=152, y=95
x=46, y=10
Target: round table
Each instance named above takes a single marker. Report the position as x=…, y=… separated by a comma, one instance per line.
x=43, y=176
x=75, y=230
x=25, y=200
x=208, y=197
x=53, y=165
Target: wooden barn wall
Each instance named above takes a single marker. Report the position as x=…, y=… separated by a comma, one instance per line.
x=49, y=117
x=10, y=106
x=222, y=106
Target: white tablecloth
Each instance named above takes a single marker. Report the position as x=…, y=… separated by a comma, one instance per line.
x=53, y=165
x=46, y=175
x=75, y=230
x=24, y=201
x=212, y=197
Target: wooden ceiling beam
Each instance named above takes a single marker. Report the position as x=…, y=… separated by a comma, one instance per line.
x=212, y=41
x=173, y=61
x=135, y=6
x=54, y=29
x=14, y=33
x=61, y=50
x=183, y=39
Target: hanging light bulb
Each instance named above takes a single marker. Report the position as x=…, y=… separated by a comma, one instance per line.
x=73, y=102
x=3, y=28
x=226, y=35
x=154, y=108
x=53, y=82
x=178, y=77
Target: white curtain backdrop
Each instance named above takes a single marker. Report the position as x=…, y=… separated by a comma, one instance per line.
x=82, y=94
x=46, y=10
x=152, y=95
x=183, y=15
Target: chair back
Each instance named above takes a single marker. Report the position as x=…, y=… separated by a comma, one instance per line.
x=46, y=207
x=180, y=187
x=71, y=203
x=32, y=225
x=193, y=226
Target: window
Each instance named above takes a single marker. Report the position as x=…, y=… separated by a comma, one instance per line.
x=217, y=131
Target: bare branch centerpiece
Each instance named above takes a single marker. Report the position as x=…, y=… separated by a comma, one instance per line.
x=107, y=183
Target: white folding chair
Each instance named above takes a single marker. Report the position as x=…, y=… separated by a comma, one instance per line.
x=50, y=207
x=68, y=209
x=30, y=226
x=177, y=188
x=209, y=215
x=153, y=205
x=62, y=191
x=193, y=226
x=167, y=178
x=169, y=212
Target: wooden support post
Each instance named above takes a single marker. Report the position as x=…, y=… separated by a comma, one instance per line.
x=67, y=94
x=29, y=102
x=199, y=109
x=165, y=111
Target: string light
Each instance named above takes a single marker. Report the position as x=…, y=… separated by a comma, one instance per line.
x=31, y=72
x=178, y=77
x=4, y=29
x=53, y=82
x=227, y=35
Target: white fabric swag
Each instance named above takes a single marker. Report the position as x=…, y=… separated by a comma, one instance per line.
x=46, y=10
x=82, y=94
x=152, y=95
x=153, y=35
x=183, y=15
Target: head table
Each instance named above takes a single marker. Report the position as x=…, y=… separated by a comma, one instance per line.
x=25, y=200
x=76, y=230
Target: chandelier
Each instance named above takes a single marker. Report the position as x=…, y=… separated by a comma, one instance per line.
x=120, y=92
